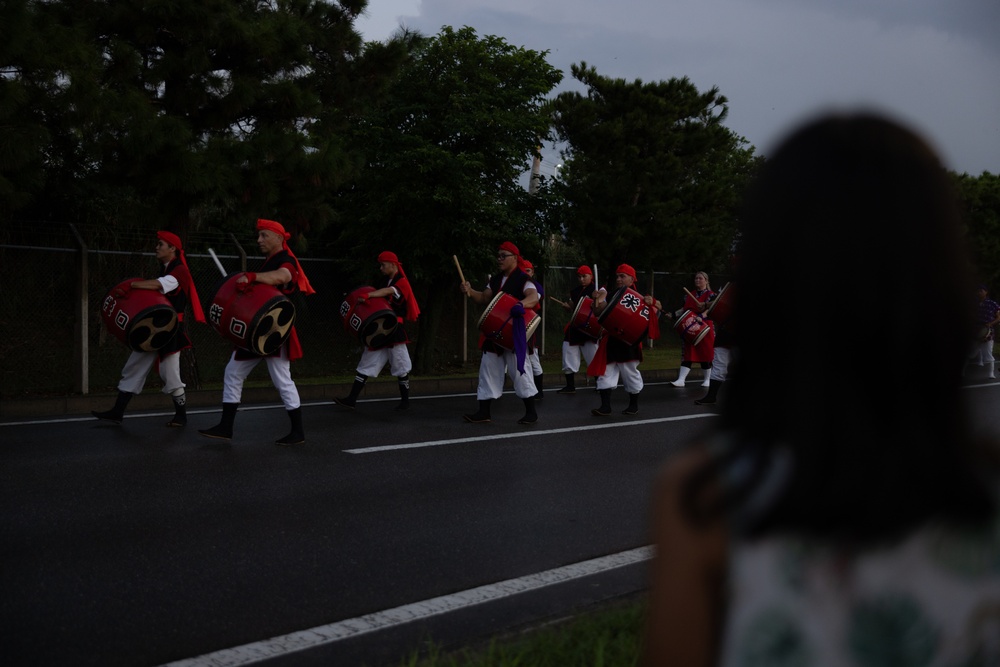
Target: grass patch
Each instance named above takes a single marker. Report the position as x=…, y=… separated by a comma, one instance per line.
x=608, y=637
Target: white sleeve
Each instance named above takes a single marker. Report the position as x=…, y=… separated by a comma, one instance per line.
x=529, y=285
x=168, y=283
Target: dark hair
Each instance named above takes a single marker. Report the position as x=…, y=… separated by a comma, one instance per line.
x=858, y=383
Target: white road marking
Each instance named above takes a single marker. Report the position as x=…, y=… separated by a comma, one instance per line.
x=531, y=433
x=326, y=634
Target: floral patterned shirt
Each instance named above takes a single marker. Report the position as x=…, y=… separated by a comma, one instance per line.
x=933, y=600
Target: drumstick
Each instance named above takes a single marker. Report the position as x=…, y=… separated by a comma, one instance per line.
x=561, y=303
x=217, y=262
x=459, y=267
x=597, y=283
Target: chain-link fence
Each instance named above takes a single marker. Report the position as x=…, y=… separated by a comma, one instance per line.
x=53, y=282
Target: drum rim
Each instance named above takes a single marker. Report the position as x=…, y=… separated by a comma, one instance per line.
x=585, y=332
x=613, y=301
x=489, y=308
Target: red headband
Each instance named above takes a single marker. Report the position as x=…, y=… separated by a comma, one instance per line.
x=584, y=271
x=627, y=270
x=170, y=238
x=510, y=247
x=272, y=226
x=388, y=256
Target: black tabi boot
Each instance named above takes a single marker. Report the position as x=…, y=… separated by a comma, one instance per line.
x=570, y=387
x=117, y=413
x=633, y=405
x=180, y=411
x=404, y=393
x=712, y=395
x=352, y=398
x=605, y=409
x=297, y=436
x=224, y=429
x=530, y=416
x=538, y=386
x=482, y=414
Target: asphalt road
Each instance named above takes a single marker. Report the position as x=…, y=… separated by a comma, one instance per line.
x=143, y=545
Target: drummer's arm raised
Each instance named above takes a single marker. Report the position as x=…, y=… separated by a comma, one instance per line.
x=600, y=300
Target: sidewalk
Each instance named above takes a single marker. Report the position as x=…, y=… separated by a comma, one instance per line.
x=385, y=387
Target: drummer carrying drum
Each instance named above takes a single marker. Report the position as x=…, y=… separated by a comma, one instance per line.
x=498, y=360
x=402, y=301
x=701, y=349
x=576, y=340
x=176, y=284
x=618, y=355
x=282, y=270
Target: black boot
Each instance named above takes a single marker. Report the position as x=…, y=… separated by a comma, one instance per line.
x=404, y=393
x=297, y=436
x=180, y=411
x=117, y=413
x=633, y=405
x=570, y=387
x=482, y=414
x=538, y=386
x=530, y=416
x=352, y=398
x=712, y=395
x=224, y=429
x=605, y=409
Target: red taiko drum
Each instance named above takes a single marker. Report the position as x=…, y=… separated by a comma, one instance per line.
x=497, y=324
x=372, y=320
x=626, y=316
x=143, y=319
x=584, y=320
x=255, y=317
x=692, y=327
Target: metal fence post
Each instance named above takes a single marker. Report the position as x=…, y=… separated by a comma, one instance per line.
x=81, y=355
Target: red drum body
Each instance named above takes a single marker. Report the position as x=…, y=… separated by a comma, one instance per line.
x=255, y=317
x=584, y=320
x=497, y=325
x=692, y=327
x=721, y=308
x=143, y=319
x=372, y=320
x=626, y=316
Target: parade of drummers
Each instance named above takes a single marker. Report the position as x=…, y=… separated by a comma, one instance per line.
x=319, y=344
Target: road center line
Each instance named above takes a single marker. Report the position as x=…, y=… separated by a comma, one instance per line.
x=523, y=434
x=353, y=627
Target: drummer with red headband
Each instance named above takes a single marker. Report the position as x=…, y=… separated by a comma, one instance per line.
x=282, y=270
x=402, y=301
x=616, y=359
x=534, y=356
x=496, y=361
x=575, y=342
x=176, y=284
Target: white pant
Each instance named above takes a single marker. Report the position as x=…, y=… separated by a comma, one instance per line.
x=280, y=369
x=628, y=371
x=535, y=362
x=492, y=369
x=140, y=363
x=982, y=353
x=720, y=364
x=373, y=361
x=571, y=355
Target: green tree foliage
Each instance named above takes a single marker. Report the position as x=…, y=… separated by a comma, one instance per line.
x=172, y=112
x=444, y=151
x=651, y=175
x=980, y=200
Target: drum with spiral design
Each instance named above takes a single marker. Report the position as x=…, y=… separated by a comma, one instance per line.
x=371, y=320
x=143, y=319
x=253, y=316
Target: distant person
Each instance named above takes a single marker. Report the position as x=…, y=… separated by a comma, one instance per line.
x=987, y=317
x=176, y=284
x=534, y=354
x=498, y=361
x=576, y=342
x=398, y=291
x=704, y=352
x=822, y=524
x=282, y=270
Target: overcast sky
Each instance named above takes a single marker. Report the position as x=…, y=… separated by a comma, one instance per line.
x=933, y=64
